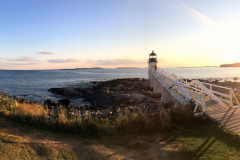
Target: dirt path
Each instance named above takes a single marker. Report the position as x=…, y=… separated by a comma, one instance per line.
x=23, y=142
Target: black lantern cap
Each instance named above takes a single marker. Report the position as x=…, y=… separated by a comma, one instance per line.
x=153, y=54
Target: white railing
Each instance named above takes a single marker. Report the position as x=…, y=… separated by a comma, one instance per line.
x=186, y=89
x=229, y=90
x=182, y=92
x=214, y=94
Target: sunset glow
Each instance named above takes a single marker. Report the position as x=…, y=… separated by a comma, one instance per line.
x=61, y=34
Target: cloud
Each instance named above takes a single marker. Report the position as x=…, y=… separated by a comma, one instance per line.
x=46, y=52
x=62, y=60
x=21, y=59
x=25, y=59
x=30, y=63
x=24, y=63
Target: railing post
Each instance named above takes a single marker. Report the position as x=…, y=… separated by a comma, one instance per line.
x=211, y=88
x=231, y=97
x=203, y=102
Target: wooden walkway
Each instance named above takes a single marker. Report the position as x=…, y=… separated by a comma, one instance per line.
x=228, y=117
x=183, y=91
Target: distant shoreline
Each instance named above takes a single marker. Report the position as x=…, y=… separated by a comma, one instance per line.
x=83, y=68
x=129, y=68
x=103, y=68
x=198, y=67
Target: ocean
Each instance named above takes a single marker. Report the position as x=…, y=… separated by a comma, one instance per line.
x=33, y=84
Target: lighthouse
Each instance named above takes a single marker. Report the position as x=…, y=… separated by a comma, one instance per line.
x=152, y=63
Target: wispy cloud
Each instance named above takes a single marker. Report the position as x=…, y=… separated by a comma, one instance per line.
x=16, y=63
x=205, y=20
x=47, y=52
x=62, y=60
x=21, y=59
x=25, y=59
x=24, y=63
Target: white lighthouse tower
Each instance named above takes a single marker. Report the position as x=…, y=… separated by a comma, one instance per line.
x=152, y=63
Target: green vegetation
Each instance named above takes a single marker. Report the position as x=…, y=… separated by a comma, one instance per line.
x=205, y=142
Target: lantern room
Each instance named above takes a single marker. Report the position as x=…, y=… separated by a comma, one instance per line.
x=152, y=57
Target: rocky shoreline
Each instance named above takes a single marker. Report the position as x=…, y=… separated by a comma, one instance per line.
x=112, y=98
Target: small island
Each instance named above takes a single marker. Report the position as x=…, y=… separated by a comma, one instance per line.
x=230, y=65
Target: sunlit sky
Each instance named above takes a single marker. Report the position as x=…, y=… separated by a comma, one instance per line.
x=60, y=34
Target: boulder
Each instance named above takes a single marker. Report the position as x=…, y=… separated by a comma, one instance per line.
x=71, y=93
x=156, y=95
x=21, y=101
x=67, y=92
x=5, y=95
x=119, y=86
x=105, y=113
x=64, y=102
x=58, y=91
x=47, y=103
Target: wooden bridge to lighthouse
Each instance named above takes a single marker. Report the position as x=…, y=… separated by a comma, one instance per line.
x=214, y=101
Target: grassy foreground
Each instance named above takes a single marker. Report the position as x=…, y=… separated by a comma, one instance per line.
x=169, y=134
x=202, y=142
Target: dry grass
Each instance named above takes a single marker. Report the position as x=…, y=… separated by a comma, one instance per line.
x=140, y=121
x=62, y=120
x=42, y=144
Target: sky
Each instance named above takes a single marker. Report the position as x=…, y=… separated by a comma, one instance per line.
x=61, y=34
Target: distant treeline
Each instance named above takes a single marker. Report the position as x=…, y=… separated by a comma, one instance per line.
x=230, y=65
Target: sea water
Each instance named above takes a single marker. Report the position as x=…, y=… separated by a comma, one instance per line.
x=33, y=84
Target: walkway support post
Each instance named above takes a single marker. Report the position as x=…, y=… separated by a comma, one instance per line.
x=158, y=87
x=231, y=97
x=152, y=80
x=167, y=97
